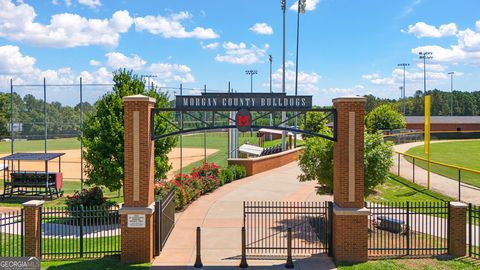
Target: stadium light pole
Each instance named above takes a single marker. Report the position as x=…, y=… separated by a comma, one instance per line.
x=404, y=65
x=251, y=72
x=451, y=91
x=301, y=9
x=284, y=115
x=425, y=56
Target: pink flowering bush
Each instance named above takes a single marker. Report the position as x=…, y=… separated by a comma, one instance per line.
x=188, y=187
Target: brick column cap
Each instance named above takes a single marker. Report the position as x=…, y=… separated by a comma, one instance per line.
x=139, y=98
x=125, y=210
x=458, y=205
x=350, y=99
x=33, y=203
x=337, y=210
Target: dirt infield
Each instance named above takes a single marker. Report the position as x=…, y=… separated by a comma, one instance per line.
x=70, y=163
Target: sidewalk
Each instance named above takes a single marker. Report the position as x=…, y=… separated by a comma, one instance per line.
x=438, y=183
x=220, y=216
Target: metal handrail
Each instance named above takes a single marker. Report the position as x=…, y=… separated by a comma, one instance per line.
x=439, y=163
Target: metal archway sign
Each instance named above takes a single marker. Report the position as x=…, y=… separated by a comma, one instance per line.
x=219, y=104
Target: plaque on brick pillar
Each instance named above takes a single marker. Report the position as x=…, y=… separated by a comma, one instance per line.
x=137, y=210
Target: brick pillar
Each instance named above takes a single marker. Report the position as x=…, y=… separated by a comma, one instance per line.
x=350, y=218
x=457, y=229
x=31, y=212
x=138, y=186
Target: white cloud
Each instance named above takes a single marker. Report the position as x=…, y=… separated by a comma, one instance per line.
x=90, y=3
x=262, y=29
x=21, y=68
x=240, y=54
x=94, y=63
x=169, y=73
x=310, y=6
x=118, y=60
x=467, y=49
x=421, y=29
x=12, y=62
x=172, y=27
x=432, y=67
x=17, y=23
x=307, y=81
x=210, y=46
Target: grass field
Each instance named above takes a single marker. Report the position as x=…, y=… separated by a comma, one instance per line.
x=98, y=264
x=397, y=189
x=38, y=145
x=443, y=263
x=462, y=153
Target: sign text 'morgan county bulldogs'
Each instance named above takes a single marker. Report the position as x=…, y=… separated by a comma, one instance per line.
x=244, y=100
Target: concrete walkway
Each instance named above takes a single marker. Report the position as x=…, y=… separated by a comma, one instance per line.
x=220, y=215
x=438, y=183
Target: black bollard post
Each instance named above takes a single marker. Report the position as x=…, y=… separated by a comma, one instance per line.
x=289, y=263
x=243, y=262
x=198, y=260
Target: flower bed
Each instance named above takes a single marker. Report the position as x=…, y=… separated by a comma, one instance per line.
x=201, y=180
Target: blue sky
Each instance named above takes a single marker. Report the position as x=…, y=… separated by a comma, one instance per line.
x=346, y=47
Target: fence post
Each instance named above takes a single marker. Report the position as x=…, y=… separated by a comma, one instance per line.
x=289, y=263
x=459, y=181
x=414, y=170
x=198, y=260
x=81, y=229
x=457, y=231
x=398, y=165
x=330, y=229
x=33, y=229
x=408, y=228
x=243, y=262
x=470, y=230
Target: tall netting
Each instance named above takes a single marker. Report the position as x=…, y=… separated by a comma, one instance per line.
x=47, y=118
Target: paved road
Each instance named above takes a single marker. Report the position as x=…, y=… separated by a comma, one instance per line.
x=220, y=215
x=438, y=183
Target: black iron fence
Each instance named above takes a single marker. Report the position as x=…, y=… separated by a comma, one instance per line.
x=11, y=234
x=79, y=232
x=408, y=228
x=164, y=220
x=267, y=224
x=473, y=231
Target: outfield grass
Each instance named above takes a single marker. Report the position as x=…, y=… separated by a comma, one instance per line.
x=38, y=145
x=397, y=189
x=461, y=153
x=417, y=263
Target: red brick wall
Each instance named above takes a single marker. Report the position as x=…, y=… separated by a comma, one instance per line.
x=445, y=127
x=350, y=238
x=138, y=245
x=265, y=163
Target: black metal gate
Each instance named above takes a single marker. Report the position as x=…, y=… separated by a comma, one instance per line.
x=266, y=225
x=164, y=220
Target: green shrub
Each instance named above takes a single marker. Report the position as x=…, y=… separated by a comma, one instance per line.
x=238, y=171
x=88, y=198
x=227, y=175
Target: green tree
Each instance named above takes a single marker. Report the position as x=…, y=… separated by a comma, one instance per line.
x=316, y=162
x=4, y=114
x=384, y=117
x=315, y=122
x=103, y=133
